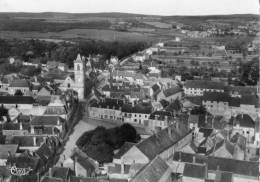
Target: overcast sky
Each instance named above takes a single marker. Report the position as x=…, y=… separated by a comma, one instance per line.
x=159, y=7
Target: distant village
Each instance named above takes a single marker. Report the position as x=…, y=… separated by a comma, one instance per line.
x=202, y=129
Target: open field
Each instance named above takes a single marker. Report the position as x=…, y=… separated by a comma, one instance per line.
x=74, y=34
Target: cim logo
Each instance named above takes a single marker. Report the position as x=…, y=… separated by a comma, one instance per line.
x=19, y=171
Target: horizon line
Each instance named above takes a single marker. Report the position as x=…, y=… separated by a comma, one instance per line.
x=141, y=14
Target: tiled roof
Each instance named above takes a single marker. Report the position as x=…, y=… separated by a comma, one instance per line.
x=204, y=84
x=4, y=149
x=194, y=171
x=19, y=83
x=116, y=169
x=24, y=160
x=152, y=172
x=16, y=100
x=123, y=150
x=46, y=120
x=24, y=141
x=157, y=143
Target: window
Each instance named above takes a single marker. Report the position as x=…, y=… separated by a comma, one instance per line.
x=68, y=85
x=78, y=67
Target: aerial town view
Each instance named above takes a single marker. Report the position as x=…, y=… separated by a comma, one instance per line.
x=129, y=91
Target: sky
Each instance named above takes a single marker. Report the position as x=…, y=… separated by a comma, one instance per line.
x=153, y=7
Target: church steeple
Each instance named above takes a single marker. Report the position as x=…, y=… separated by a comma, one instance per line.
x=79, y=75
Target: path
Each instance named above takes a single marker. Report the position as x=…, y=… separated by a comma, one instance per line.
x=79, y=129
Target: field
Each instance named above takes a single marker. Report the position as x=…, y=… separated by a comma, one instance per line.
x=74, y=34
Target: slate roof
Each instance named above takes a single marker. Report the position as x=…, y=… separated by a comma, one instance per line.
x=249, y=100
x=157, y=143
x=172, y=91
x=46, y=120
x=239, y=167
x=204, y=84
x=194, y=171
x=16, y=100
x=4, y=149
x=51, y=179
x=216, y=96
x=24, y=141
x=55, y=110
x=152, y=172
x=123, y=150
x=82, y=179
x=224, y=177
x=161, y=115
x=142, y=108
x=245, y=121
x=19, y=83
x=108, y=103
x=60, y=172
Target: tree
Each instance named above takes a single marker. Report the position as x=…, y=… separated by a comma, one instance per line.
x=18, y=93
x=128, y=133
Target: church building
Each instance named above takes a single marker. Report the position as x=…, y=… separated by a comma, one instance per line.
x=77, y=81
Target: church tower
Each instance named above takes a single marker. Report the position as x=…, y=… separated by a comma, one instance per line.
x=79, y=76
x=258, y=83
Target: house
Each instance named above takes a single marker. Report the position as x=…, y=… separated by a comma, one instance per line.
x=20, y=102
x=63, y=67
x=21, y=85
x=194, y=172
x=244, y=125
x=6, y=151
x=198, y=87
x=170, y=94
x=216, y=102
x=157, y=170
x=242, y=170
x=107, y=108
x=159, y=120
x=136, y=113
x=45, y=91
x=163, y=144
x=131, y=76
x=82, y=165
x=47, y=125
x=52, y=64
x=60, y=173
x=139, y=57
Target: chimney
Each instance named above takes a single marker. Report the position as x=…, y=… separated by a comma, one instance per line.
x=206, y=170
x=193, y=159
x=169, y=131
x=38, y=177
x=21, y=126
x=32, y=130
x=34, y=141
x=58, y=122
x=122, y=167
x=75, y=165
x=50, y=172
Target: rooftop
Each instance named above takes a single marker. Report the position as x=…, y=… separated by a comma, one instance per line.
x=204, y=84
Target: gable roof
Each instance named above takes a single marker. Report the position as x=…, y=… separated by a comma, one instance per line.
x=60, y=172
x=204, y=84
x=123, y=150
x=157, y=143
x=46, y=120
x=19, y=83
x=16, y=100
x=152, y=172
x=244, y=120
x=171, y=91
x=5, y=149
x=194, y=171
